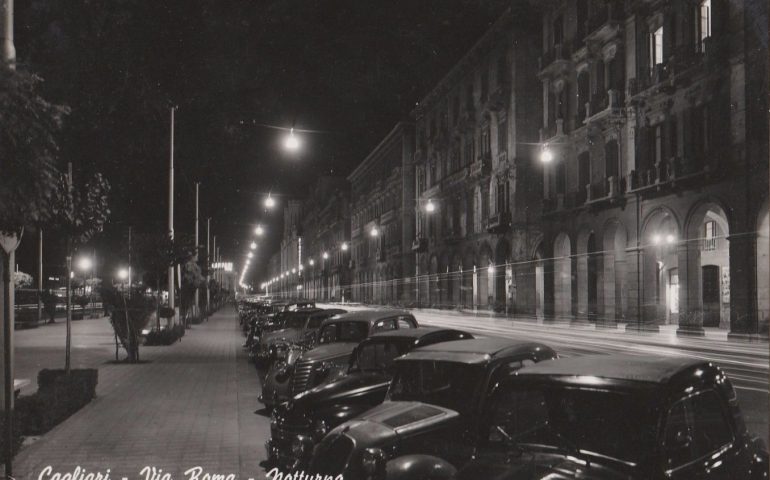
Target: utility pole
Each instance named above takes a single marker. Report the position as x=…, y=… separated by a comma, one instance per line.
x=208, y=266
x=214, y=258
x=129, y=263
x=40, y=276
x=9, y=243
x=197, y=244
x=171, y=268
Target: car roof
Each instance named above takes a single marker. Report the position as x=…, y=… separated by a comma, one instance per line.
x=473, y=351
x=368, y=316
x=636, y=368
x=412, y=333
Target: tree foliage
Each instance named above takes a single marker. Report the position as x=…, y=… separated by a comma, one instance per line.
x=28, y=150
x=80, y=210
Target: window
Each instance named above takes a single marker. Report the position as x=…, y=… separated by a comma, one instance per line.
x=696, y=426
x=582, y=93
x=584, y=170
x=611, y=159
x=703, y=24
x=558, y=30
x=502, y=195
x=658, y=143
x=377, y=356
x=561, y=178
x=502, y=135
x=406, y=322
x=469, y=150
x=710, y=235
x=485, y=143
x=656, y=47
x=385, y=325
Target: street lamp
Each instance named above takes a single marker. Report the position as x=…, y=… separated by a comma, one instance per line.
x=374, y=231
x=430, y=207
x=546, y=155
x=344, y=246
x=253, y=245
x=250, y=255
x=259, y=230
x=326, y=255
x=269, y=203
x=122, y=274
x=311, y=262
x=291, y=142
x=84, y=263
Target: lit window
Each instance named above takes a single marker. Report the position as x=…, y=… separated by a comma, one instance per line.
x=704, y=23
x=656, y=47
x=710, y=236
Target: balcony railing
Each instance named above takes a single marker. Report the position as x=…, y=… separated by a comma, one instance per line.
x=499, y=222
x=419, y=244
x=480, y=167
x=558, y=53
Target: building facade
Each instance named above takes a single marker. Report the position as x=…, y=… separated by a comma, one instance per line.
x=326, y=227
x=477, y=184
x=381, y=212
x=655, y=120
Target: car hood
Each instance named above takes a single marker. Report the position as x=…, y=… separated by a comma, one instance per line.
x=541, y=466
x=351, y=385
x=330, y=350
x=290, y=334
x=388, y=421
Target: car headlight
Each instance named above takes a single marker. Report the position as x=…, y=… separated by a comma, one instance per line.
x=320, y=429
x=373, y=463
x=301, y=447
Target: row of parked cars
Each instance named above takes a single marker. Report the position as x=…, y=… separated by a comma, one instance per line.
x=373, y=395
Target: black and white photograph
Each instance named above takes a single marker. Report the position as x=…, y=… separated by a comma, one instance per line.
x=384, y=240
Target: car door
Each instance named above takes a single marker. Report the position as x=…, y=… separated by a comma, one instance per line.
x=699, y=440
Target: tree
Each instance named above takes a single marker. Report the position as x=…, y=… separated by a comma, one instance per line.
x=155, y=253
x=78, y=212
x=192, y=279
x=128, y=316
x=22, y=280
x=50, y=300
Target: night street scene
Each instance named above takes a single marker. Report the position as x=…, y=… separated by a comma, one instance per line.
x=404, y=240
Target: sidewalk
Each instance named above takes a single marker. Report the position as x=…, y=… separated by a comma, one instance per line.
x=191, y=405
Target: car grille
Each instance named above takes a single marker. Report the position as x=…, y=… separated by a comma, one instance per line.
x=332, y=455
x=292, y=427
x=302, y=372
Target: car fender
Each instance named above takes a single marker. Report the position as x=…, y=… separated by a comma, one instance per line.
x=419, y=467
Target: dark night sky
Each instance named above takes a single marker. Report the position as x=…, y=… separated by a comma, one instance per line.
x=348, y=68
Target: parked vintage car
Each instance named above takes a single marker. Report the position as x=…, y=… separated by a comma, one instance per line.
x=336, y=340
x=610, y=417
x=433, y=407
x=285, y=346
x=299, y=327
x=309, y=416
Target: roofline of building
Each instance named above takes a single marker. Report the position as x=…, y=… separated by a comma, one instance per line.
x=443, y=85
x=399, y=127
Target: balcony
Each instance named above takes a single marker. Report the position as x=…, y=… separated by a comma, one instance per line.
x=608, y=104
x=420, y=244
x=555, y=61
x=499, y=222
x=457, y=177
x=480, y=168
x=605, y=23
x=666, y=170
x=552, y=130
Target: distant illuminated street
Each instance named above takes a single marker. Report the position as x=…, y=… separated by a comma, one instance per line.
x=745, y=363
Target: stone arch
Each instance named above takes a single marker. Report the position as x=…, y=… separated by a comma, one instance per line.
x=614, y=246
x=502, y=272
x=562, y=259
x=763, y=265
x=485, y=259
x=705, y=269
x=660, y=270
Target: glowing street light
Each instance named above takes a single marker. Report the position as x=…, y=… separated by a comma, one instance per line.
x=269, y=203
x=250, y=255
x=85, y=263
x=253, y=245
x=670, y=239
x=292, y=142
x=293, y=270
x=123, y=274
x=259, y=231
x=546, y=155
x=301, y=267
x=311, y=262
x=326, y=255
x=374, y=232
x=430, y=207
x=491, y=268
x=656, y=239
x=344, y=246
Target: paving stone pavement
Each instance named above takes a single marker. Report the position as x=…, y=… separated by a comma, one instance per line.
x=191, y=405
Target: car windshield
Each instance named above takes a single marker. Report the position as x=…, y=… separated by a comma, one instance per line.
x=568, y=418
x=378, y=356
x=296, y=320
x=344, y=332
x=446, y=384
